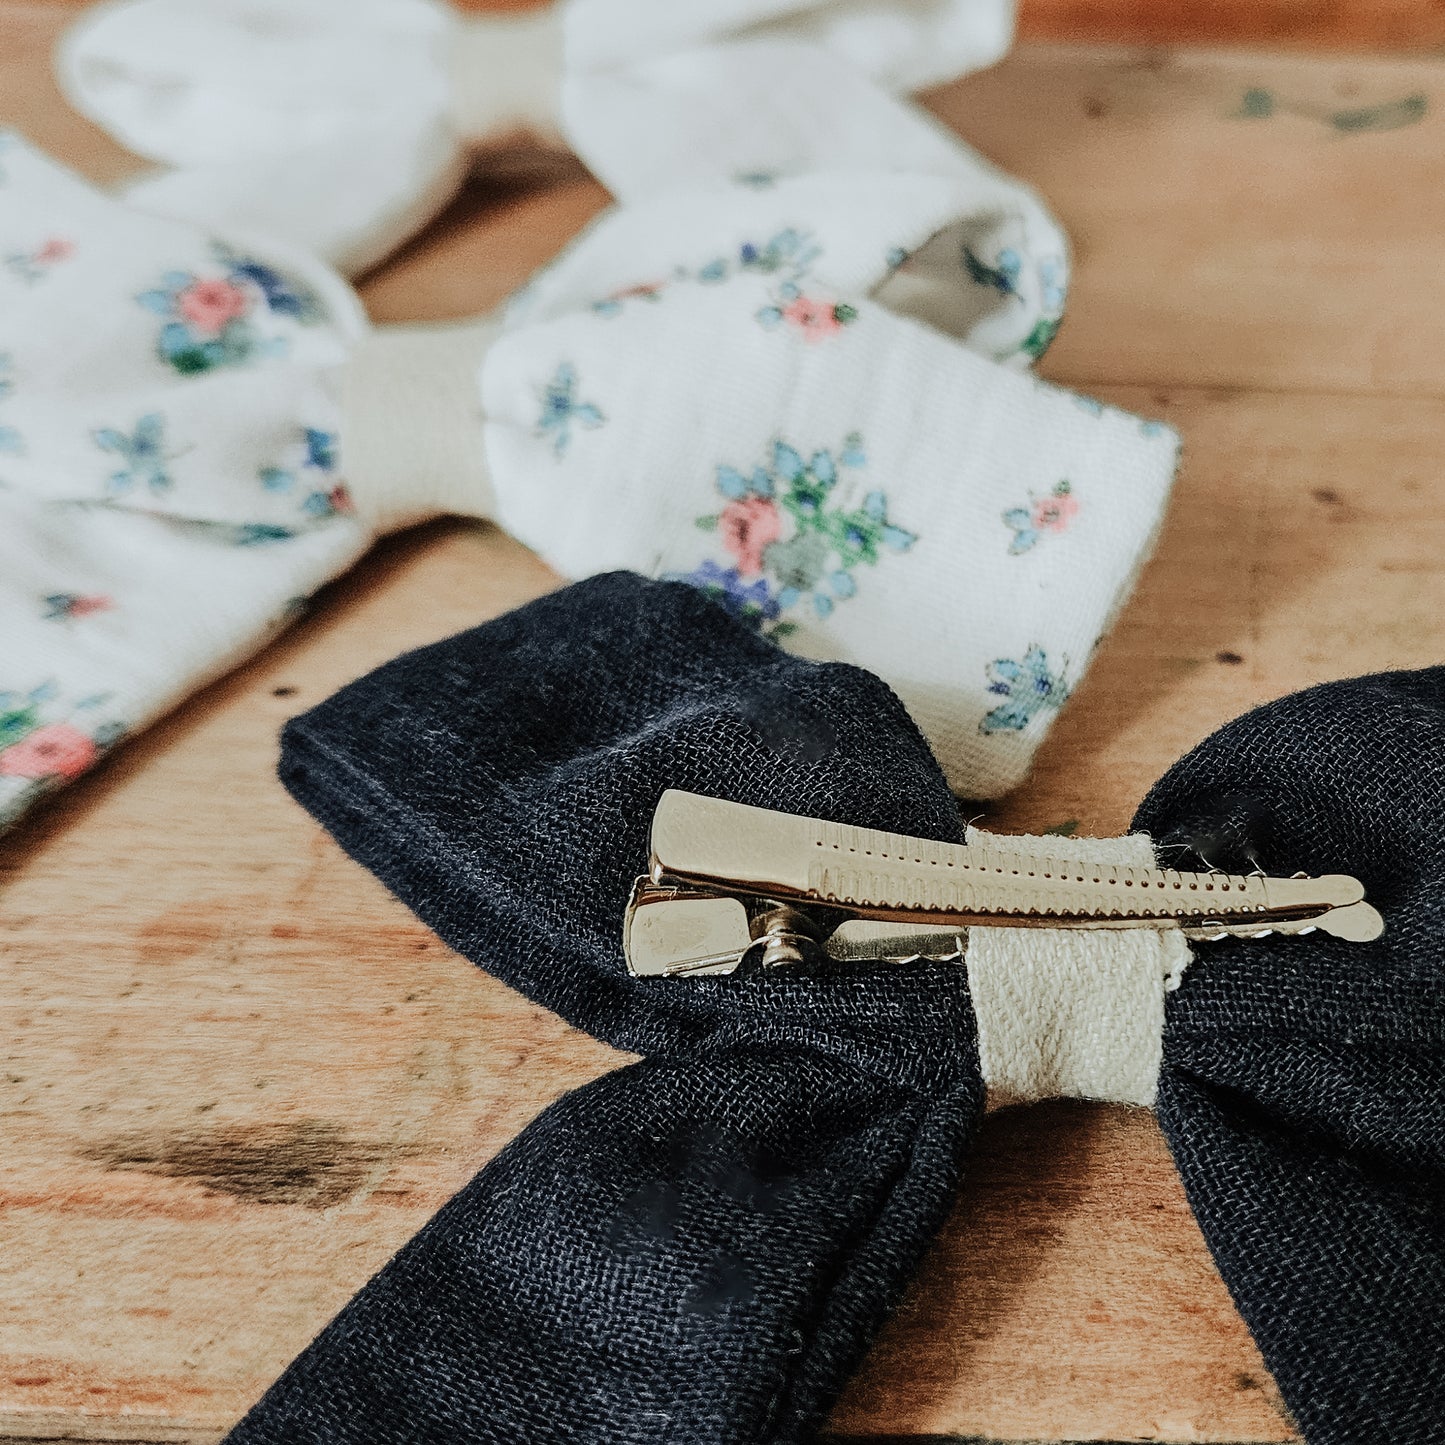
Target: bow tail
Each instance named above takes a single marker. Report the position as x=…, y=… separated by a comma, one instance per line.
x=1334, y=1252
x=693, y=1248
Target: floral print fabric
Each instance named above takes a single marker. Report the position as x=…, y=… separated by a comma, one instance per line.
x=171, y=518
x=794, y=532
x=212, y=320
x=799, y=391
x=739, y=390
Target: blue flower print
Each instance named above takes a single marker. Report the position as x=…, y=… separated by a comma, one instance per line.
x=257, y=534
x=751, y=602
x=1002, y=276
x=283, y=296
x=143, y=453
x=1027, y=687
x=309, y=474
x=561, y=408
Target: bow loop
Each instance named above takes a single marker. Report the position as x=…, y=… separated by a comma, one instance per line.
x=698, y=1245
x=691, y=1248
x=844, y=479
x=681, y=697
x=1304, y=1081
x=1344, y=777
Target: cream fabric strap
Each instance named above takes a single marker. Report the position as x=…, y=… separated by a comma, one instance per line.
x=1073, y=1013
x=506, y=77
x=411, y=416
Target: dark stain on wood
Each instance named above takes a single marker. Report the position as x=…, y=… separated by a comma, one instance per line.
x=311, y=1162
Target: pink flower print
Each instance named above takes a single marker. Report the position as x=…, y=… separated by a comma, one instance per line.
x=817, y=319
x=1055, y=512
x=208, y=306
x=77, y=604
x=57, y=248
x=56, y=751
x=748, y=527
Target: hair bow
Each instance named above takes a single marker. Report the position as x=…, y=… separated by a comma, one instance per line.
x=344, y=127
x=734, y=384
x=698, y=1246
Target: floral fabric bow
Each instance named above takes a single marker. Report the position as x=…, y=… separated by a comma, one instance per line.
x=698, y=1246
x=802, y=392
x=344, y=125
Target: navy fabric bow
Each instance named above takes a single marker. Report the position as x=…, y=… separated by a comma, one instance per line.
x=699, y=1247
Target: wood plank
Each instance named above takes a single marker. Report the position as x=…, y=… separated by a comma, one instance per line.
x=1312, y=24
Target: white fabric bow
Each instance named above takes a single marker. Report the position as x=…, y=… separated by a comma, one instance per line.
x=344, y=125
x=728, y=383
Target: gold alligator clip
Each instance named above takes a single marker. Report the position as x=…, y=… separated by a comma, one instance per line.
x=731, y=886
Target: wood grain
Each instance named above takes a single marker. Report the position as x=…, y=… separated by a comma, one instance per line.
x=1313, y=24
x=237, y=1074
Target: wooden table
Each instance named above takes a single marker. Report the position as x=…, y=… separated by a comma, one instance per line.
x=237, y=1074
